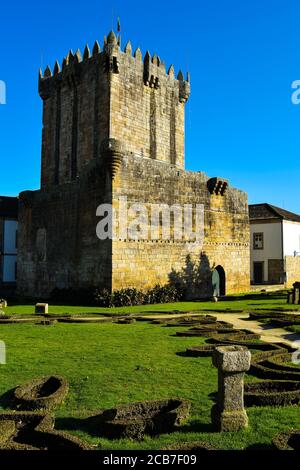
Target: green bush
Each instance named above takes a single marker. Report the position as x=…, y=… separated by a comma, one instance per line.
x=130, y=296
x=127, y=298
x=162, y=295
x=119, y=298
x=103, y=298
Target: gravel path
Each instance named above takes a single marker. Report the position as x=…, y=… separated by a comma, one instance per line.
x=267, y=332
x=241, y=321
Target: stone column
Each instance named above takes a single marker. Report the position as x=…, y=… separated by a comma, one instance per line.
x=228, y=414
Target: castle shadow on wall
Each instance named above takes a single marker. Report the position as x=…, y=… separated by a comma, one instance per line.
x=197, y=279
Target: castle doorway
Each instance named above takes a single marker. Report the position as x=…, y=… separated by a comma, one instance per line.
x=218, y=281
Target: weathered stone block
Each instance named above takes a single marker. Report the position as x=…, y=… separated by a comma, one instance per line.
x=294, y=296
x=232, y=359
x=41, y=308
x=228, y=421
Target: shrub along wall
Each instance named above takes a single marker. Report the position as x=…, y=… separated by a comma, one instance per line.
x=119, y=298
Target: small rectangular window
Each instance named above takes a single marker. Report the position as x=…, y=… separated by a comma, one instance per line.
x=258, y=241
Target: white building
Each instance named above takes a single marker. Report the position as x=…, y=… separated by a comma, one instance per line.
x=275, y=245
x=8, y=242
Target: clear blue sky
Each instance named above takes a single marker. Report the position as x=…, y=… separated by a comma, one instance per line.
x=242, y=55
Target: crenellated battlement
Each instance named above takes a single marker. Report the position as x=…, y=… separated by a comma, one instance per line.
x=108, y=93
x=111, y=57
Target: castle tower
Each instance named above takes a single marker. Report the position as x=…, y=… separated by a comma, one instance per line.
x=106, y=95
x=113, y=129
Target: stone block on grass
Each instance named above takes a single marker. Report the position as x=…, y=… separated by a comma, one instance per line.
x=41, y=308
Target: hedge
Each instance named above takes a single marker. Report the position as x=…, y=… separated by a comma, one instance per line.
x=34, y=431
x=262, y=367
x=287, y=440
x=136, y=420
x=272, y=393
x=42, y=393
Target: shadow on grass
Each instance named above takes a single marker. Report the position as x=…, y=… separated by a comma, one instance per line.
x=258, y=296
x=256, y=304
x=92, y=426
x=213, y=396
x=7, y=399
x=88, y=425
x=195, y=426
x=292, y=336
x=175, y=335
x=191, y=354
x=269, y=326
x=185, y=354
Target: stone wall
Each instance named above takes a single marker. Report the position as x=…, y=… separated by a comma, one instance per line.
x=275, y=271
x=75, y=116
x=109, y=94
x=58, y=247
x=292, y=267
x=149, y=120
x=145, y=263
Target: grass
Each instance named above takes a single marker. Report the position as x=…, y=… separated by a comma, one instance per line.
x=293, y=328
x=246, y=302
x=109, y=364
x=294, y=364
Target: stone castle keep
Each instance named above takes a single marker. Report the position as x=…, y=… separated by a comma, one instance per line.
x=113, y=126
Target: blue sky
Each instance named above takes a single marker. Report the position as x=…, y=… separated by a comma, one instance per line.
x=242, y=55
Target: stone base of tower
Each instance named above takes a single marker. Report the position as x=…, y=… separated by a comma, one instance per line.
x=59, y=248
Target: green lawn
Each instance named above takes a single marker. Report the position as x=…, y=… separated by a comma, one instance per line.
x=293, y=328
x=246, y=302
x=109, y=364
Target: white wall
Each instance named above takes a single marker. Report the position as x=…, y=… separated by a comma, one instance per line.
x=291, y=238
x=272, y=244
